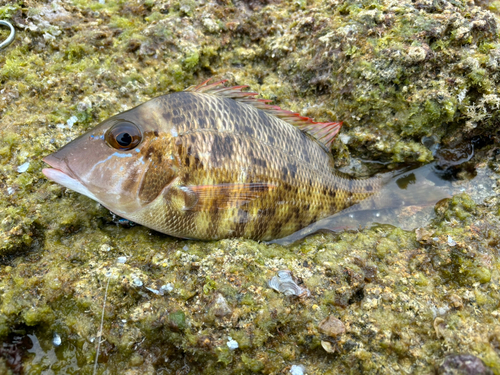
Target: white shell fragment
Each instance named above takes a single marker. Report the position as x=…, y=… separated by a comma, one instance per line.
x=136, y=281
x=71, y=121
x=232, y=344
x=56, y=340
x=167, y=288
x=284, y=283
x=451, y=241
x=121, y=260
x=155, y=291
x=23, y=167
x=297, y=370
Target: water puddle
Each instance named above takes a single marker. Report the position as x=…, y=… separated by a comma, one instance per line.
x=29, y=354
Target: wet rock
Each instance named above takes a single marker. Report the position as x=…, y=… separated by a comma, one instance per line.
x=463, y=364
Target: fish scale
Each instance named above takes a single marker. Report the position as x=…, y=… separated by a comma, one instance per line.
x=213, y=163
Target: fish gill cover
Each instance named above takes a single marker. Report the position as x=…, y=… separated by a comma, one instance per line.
x=393, y=72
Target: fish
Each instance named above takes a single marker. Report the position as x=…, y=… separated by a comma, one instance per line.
x=211, y=162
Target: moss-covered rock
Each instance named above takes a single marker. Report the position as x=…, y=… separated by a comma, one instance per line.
x=393, y=72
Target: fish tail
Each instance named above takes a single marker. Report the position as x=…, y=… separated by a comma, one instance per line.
x=408, y=186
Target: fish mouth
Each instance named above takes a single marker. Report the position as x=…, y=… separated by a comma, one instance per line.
x=58, y=165
x=61, y=174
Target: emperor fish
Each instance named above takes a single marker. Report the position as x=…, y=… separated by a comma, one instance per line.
x=211, y=162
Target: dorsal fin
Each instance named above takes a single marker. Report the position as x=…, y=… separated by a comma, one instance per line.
x=324, y=132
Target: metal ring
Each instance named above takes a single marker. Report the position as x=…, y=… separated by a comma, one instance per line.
x=10, y=38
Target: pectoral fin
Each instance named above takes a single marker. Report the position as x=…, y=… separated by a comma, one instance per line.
x=221, y=196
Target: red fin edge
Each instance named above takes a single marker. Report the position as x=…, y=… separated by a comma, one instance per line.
x=323, y=132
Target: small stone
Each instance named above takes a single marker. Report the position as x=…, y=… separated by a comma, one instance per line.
x=456, y=301
x=105, y=247
x=220, y=307
x=463, y=364
x=121, y=260
x=332, y=327
x=423, y=234
x=416, y=54
x=439, y=326
x=345, y=138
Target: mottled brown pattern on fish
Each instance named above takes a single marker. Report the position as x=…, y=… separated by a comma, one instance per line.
x=218, y=141
x=159, y=173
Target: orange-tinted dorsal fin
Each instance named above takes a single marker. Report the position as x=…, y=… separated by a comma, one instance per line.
x=324, y=132
x=223, y=196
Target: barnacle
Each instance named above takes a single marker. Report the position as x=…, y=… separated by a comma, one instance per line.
x=284, y=283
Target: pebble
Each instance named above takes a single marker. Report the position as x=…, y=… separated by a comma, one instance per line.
x=220, y=307
x=463, y=364
x=332, y=326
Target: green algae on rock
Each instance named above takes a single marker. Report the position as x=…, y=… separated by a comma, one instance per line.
x=393, y=72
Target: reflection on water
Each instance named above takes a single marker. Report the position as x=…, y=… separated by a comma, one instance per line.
x=408, y=200
x=50, y=357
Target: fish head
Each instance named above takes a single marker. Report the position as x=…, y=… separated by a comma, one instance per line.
x=123, y=163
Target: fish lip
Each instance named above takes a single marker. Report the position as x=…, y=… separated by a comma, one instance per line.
x=62, y=178
x=58, y=165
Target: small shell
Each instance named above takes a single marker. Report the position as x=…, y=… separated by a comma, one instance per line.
x=167, y=288
x=136, y=281
x=297, y=370
x=284, y=283
x=451, y=241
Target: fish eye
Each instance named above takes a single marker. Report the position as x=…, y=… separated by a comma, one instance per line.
x=123, y=136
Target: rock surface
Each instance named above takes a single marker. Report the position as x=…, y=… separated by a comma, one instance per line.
x=393, y=71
